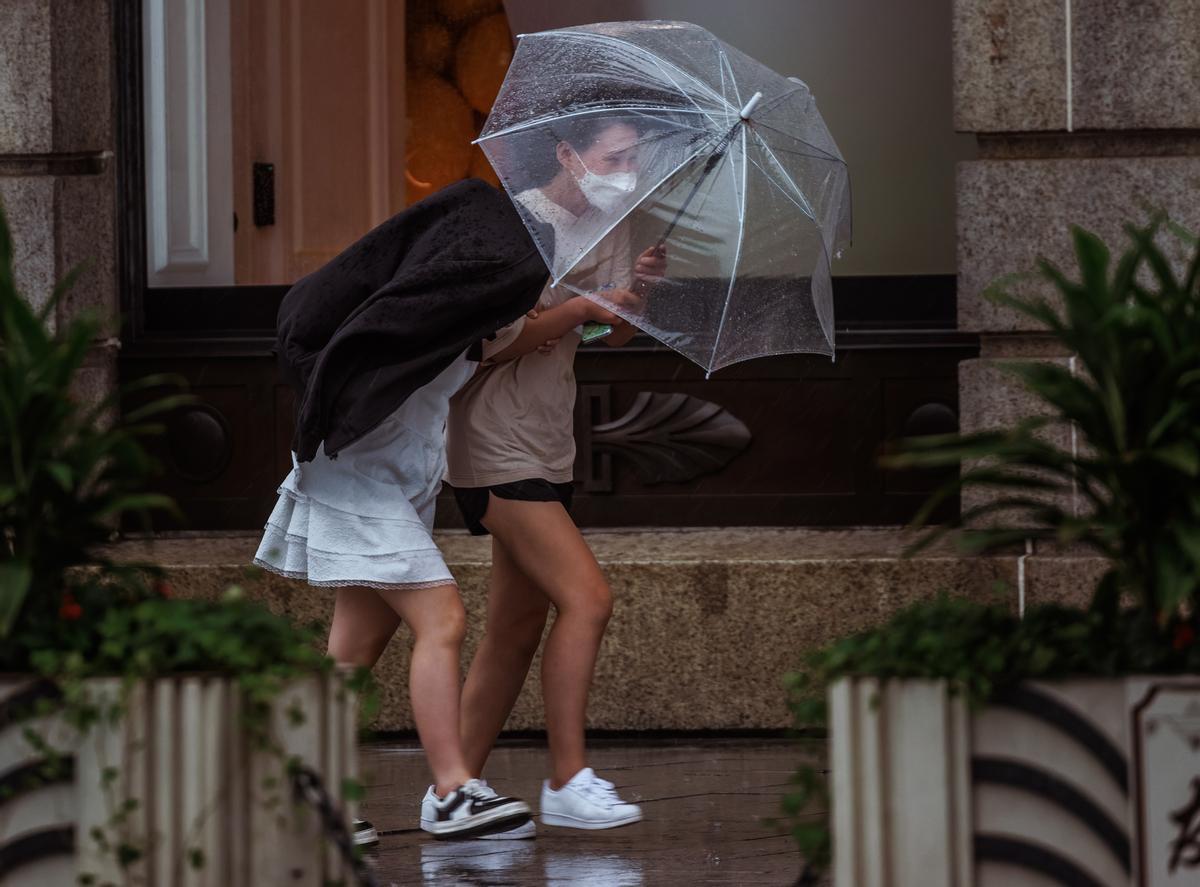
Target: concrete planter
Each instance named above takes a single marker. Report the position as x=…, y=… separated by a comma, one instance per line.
x=1090, y=783
x=203, y=792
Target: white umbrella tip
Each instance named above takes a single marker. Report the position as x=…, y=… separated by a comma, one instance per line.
x=751, y=105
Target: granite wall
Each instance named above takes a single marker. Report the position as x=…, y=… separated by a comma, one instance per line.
x=1086, y=113
x=57, y=175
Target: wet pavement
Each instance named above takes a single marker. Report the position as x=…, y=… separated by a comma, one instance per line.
x=707, y=806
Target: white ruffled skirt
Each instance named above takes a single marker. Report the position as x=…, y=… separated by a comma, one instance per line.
x=366, y=517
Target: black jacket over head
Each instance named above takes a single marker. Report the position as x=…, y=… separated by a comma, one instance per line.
x=358, y=336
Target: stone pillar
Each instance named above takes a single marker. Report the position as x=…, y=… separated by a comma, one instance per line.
x=1086, y=112
x=57, y=175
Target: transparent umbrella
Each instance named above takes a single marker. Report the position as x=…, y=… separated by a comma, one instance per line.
x=637, y=140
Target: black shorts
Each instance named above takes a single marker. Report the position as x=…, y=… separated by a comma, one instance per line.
x=473, y=501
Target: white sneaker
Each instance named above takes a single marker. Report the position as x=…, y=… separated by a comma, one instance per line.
x=471, y=809
x=587, y=801
x=365, y=834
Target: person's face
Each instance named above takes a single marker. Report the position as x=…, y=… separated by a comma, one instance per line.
x=614, y=150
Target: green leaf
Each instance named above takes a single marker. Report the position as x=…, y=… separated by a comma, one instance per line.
x=159, y=407
x=61, y=473
x=1184, y=234
x=138, y=502
x=1093, y=258
x=1182, y=456
x=1154, y=257
x=1162, y=426
x=1189, y=541
x=1126, y=272
x=1037, y=309
x=16, y=577
x=60, y=290
x=353, y=790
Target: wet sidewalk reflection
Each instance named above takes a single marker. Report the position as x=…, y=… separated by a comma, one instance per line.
x=706, y=805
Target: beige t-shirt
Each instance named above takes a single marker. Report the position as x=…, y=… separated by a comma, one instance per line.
x=514, y=420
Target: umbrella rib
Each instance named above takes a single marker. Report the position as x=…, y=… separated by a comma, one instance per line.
x=829, y=352
x=808, y=212
x=775, y=100
x=770, y=178
x=795, y=138
x=780, y=188
x=547, y=119
x=816, y=154
x=805, y=205
x=824, y=245
x=658, y=62
x=737, y=257
x=737, y=94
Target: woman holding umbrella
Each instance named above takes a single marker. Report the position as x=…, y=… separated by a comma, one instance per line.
x=732, y=173
x=511, y=452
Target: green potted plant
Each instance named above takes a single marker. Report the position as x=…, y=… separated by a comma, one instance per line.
x=142, y=737
x=975, y=746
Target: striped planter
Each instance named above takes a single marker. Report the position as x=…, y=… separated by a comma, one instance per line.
x=203, y=793
x=1081, y=783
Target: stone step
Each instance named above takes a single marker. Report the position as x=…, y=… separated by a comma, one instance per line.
x=706, y=623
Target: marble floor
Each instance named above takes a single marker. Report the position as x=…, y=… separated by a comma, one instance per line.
x=707, y=805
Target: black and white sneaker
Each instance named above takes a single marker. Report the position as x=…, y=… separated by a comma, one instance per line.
x=471, y=810
x=365, y=834
x=506, y=831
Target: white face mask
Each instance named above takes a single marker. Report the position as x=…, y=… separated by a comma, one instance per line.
x=606, y=192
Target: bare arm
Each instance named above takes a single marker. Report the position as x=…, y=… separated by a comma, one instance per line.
x=554, y=323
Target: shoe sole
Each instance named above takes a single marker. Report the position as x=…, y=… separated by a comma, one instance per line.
x=527, y=833
x=485, y=823
x=366, y=838
x=561, y=820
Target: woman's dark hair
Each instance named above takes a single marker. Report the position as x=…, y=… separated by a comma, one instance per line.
x=580, y=133
x=582, y=130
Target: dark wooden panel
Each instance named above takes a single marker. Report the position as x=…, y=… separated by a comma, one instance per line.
x=817, y=430
x=813, y=432
x=220, y=458
x=861, y=303
x=918, y=406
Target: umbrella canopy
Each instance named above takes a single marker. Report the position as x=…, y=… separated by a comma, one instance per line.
x=656, y=137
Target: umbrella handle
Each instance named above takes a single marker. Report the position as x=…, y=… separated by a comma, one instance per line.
x=717, y=154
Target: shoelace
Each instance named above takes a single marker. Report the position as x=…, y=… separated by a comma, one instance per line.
x=602, y=790
x=479, y=790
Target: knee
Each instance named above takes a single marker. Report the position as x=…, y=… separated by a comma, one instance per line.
x=357, y=648
x=447, y=630
x=521, y=631
x=593, y=606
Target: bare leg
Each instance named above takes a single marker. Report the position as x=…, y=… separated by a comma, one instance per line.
x=548, y=548
x=363, y=623
x=365, y=618
x=516, y=618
